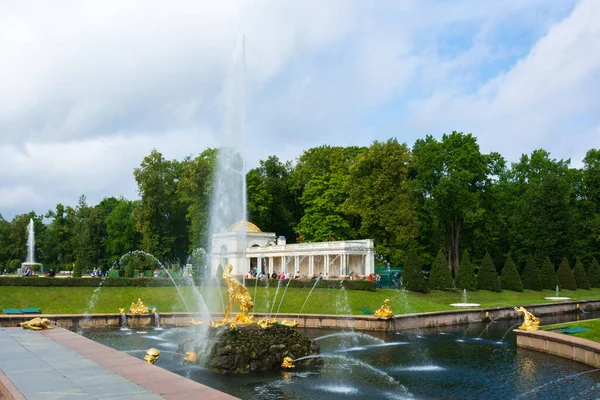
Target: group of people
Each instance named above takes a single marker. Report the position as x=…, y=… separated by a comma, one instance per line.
x=96, y=273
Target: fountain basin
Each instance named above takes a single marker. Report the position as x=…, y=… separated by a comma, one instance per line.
x=556, y=298
x=465, y=305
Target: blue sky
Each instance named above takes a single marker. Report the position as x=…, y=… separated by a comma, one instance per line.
x=90, y=88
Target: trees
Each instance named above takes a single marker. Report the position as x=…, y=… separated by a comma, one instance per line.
x=581, y=278
x=590, y=205
x=319, y=180
x=451, y=176
x=593, y=273
x=412, y=276
x=466, y=279
x=566, y=280
x=510, y=278
x=531, y=275
x=440, y=276
x=121, y=234
x=380, y=194
x=548, y=275
x=487, y=278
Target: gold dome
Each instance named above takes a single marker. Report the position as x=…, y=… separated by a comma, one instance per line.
x=239, y=226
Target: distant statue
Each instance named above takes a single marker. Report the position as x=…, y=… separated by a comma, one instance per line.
x=330, y=238
x=384, y=311
x=138, y=308
x=301, y=238
x=530, y=322
x=237, y=292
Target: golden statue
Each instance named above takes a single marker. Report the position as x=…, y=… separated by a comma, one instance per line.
x=266, y=322
x=530, y=322
x=138, y=308
x=190, y=357
x=196, y=322
x=384, y=311
x=37, y=324
x=289, y=322
x=152, y=355
x=121, y=311
x=287, y=363
x=236, y=292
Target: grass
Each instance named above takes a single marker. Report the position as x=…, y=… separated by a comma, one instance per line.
x=76, y=300
x=592, y=334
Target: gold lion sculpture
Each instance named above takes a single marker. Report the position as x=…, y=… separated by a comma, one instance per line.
x=530, y=321
x=236, y=292
x=37, y=324
x=384, y=311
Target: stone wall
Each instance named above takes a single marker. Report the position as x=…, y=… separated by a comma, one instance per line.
x=574, y=348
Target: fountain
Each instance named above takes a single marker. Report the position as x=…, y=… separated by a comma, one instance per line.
x=464, y=302
x=557, y=297
x=30, y=260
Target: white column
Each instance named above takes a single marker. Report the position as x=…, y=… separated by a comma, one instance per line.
x=326, y=268
x=282, y=267
x=311, y=265
x=270, y=265
x=342, y=264
x=296, y=266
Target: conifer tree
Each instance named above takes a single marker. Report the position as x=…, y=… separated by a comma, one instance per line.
x=593, y=274
x=510, y=278
x=487, y=278
x=547, y=275
x=440, y=276
x=531, y=275
x=566, y=280
x=412, y=277
x=465, y=279
x=581, y=278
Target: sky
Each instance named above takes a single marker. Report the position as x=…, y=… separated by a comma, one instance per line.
x=87, y=89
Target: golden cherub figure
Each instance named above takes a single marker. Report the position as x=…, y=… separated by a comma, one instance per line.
x=287, y=363
x=530, y=321
x=384, y=311
x=190, y=357
x=152, y=355
x=36, y=324
x=138, y=308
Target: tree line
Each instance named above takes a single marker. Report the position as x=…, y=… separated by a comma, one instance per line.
x=440, y=195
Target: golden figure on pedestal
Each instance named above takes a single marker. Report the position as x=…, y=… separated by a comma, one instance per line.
x=138, y=308
x=289, y=322
x=384, y=311
x=196, y=322
x=152, y=355
x=287, y=363
x=36, y=324
x=236, y=292
x=530, y=322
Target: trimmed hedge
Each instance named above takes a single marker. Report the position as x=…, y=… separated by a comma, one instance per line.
x=510, y=278
x=566, y=280
x=412, y=277
x=92, y=282
x=531, y=275
x=440, y=277
x=309, y=283
x=581, y=278
x=466, y=279
x=548, y=276
x=593, y=274
x=487, y=278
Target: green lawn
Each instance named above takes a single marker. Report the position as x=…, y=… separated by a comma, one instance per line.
x=592, y=334
x=76, y=300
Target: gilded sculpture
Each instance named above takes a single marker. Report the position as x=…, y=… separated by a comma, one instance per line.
x=36, y=324
x=190, y=357
x=530, y=321
x=236, y=292
x=138, y=308
x=384, y=311
x=266, y=322
x=287, y=363
x=196, y=322
x=152, y=355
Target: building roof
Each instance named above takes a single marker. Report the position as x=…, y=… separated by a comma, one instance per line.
x=239, y=227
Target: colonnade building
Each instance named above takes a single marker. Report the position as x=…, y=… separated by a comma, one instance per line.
x=245, y=247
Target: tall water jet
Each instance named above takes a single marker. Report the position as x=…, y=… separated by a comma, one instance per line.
x=30, y=260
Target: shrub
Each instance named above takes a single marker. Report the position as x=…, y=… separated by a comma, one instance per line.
x=13, y=265
x=593, y=274
x=412, y=277
x=566, y=280
x=548, y=276
x=487, y=279
x=93, y=282
x=77, y=270
x=531, y=275
x=581, y=278
x=465, y=279
x=510, y=278
x=440, y=276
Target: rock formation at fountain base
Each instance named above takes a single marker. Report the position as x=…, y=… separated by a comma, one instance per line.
x=250, y=348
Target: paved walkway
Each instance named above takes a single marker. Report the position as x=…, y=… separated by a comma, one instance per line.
x=59, y=364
